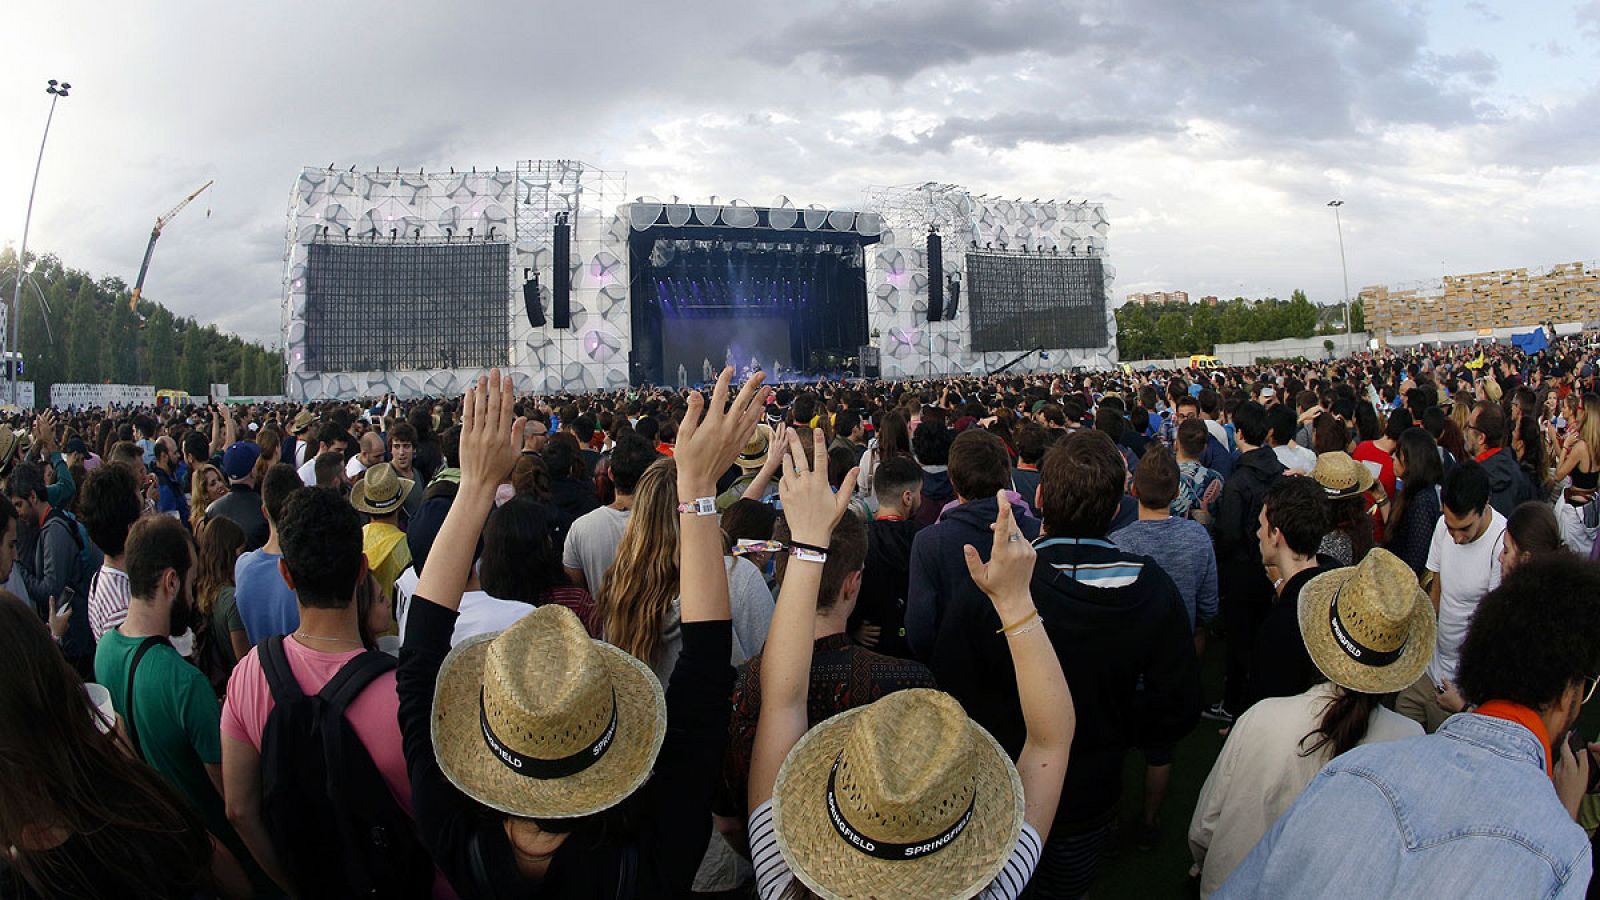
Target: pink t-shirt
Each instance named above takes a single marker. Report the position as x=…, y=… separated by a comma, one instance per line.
x=375, y=715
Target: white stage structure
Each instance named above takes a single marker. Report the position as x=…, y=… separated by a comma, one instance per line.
x=434, y=342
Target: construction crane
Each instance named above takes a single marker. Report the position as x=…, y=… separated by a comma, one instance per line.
x=150, y=249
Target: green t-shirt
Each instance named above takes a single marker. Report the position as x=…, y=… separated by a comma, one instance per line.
x=225, y=619
x=177, y=716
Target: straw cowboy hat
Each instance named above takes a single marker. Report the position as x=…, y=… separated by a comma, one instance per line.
x=302, y=421
x=1341, y=476
x=754, y=454
x=542, y=721
x=380, y=491
x=906, y=797
x=1369, y=628
x=11, y=443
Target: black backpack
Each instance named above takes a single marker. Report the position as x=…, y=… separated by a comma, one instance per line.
x=336, y=827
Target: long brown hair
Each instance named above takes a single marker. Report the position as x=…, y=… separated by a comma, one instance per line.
x=64, y=775
x=1343, y=724
x=219, y=546
x=643, y=580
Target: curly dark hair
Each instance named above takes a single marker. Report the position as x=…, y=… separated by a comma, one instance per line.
x=1535, y=634
x=321, y=537
x=108, y=505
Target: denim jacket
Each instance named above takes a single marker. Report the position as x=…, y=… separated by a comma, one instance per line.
x=1465, y=812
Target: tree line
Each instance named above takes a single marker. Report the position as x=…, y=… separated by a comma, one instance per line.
x=91, y=336
x=1181, y=329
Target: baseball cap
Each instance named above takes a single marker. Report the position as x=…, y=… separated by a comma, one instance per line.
x=239, y=459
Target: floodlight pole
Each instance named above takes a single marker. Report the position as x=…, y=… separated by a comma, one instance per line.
x=13, y=336
x=1339, y=227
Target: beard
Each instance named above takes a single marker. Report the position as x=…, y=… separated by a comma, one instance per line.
x=180, y=618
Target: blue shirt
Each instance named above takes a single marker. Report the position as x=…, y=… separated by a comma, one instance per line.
x=266, y=605
x=1182, y=548
x=1465, y=812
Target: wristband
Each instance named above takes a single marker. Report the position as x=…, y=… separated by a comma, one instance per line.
x=1003, y=629
x=812, y=547
x=700, y=506
x=807, y=553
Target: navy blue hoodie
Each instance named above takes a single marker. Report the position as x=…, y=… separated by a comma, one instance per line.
x=939, y=566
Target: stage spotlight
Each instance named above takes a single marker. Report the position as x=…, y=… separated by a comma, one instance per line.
x=448, y=234
x=470, y=230
x=393, y=233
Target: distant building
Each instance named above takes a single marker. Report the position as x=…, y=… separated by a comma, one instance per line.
x=1210, y=300
x=1567, y=292
x=1159, y=298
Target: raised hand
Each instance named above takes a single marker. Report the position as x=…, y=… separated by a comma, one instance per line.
x=1006, y=575
x=775, y=450
x=710, y=436
x=491, y=432
x=810, y=505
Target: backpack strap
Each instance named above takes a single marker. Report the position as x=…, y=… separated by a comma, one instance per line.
x=351, y=679
x=133, y=670
x=275, y=665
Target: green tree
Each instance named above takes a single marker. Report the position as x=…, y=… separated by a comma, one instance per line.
x=83, y=343
x=160, y=350
x=1172, y=330
x=193, y=366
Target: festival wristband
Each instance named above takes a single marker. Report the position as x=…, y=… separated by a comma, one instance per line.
x=700, y=506
x=807, y=553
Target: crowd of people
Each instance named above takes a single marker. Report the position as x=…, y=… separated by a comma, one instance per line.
x=852, y=639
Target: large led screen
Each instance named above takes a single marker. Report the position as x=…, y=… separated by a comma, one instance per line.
x=1020, y=301
x=380, y=306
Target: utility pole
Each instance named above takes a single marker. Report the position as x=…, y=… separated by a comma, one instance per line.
x=56, y=90
x=1339, y=227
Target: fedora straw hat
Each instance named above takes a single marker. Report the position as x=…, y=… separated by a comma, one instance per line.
x=903, y=798
x=754, y=454
x=302, y=421
x=380, y=491
x=10, y=443
x=1369, y=628
x=542, y=721
x=1341, y=476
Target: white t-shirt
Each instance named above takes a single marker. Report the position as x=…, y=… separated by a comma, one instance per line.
x=355, y=466
x=1217, y=431
x=479, y=612
x=773, y=874
x=308, y=472
x=1466, y=572
x=592, y=543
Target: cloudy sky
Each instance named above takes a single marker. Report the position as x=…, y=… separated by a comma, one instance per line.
x=1463, y=136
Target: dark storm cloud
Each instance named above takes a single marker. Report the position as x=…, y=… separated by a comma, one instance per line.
x=1309, y=68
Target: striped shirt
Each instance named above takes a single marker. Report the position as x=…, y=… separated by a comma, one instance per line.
x=773, y=875
x=108, y=600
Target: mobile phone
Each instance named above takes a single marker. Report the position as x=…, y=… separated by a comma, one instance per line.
x=68, y=597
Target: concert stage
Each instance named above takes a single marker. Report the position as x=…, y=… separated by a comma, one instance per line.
x=415, y=283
